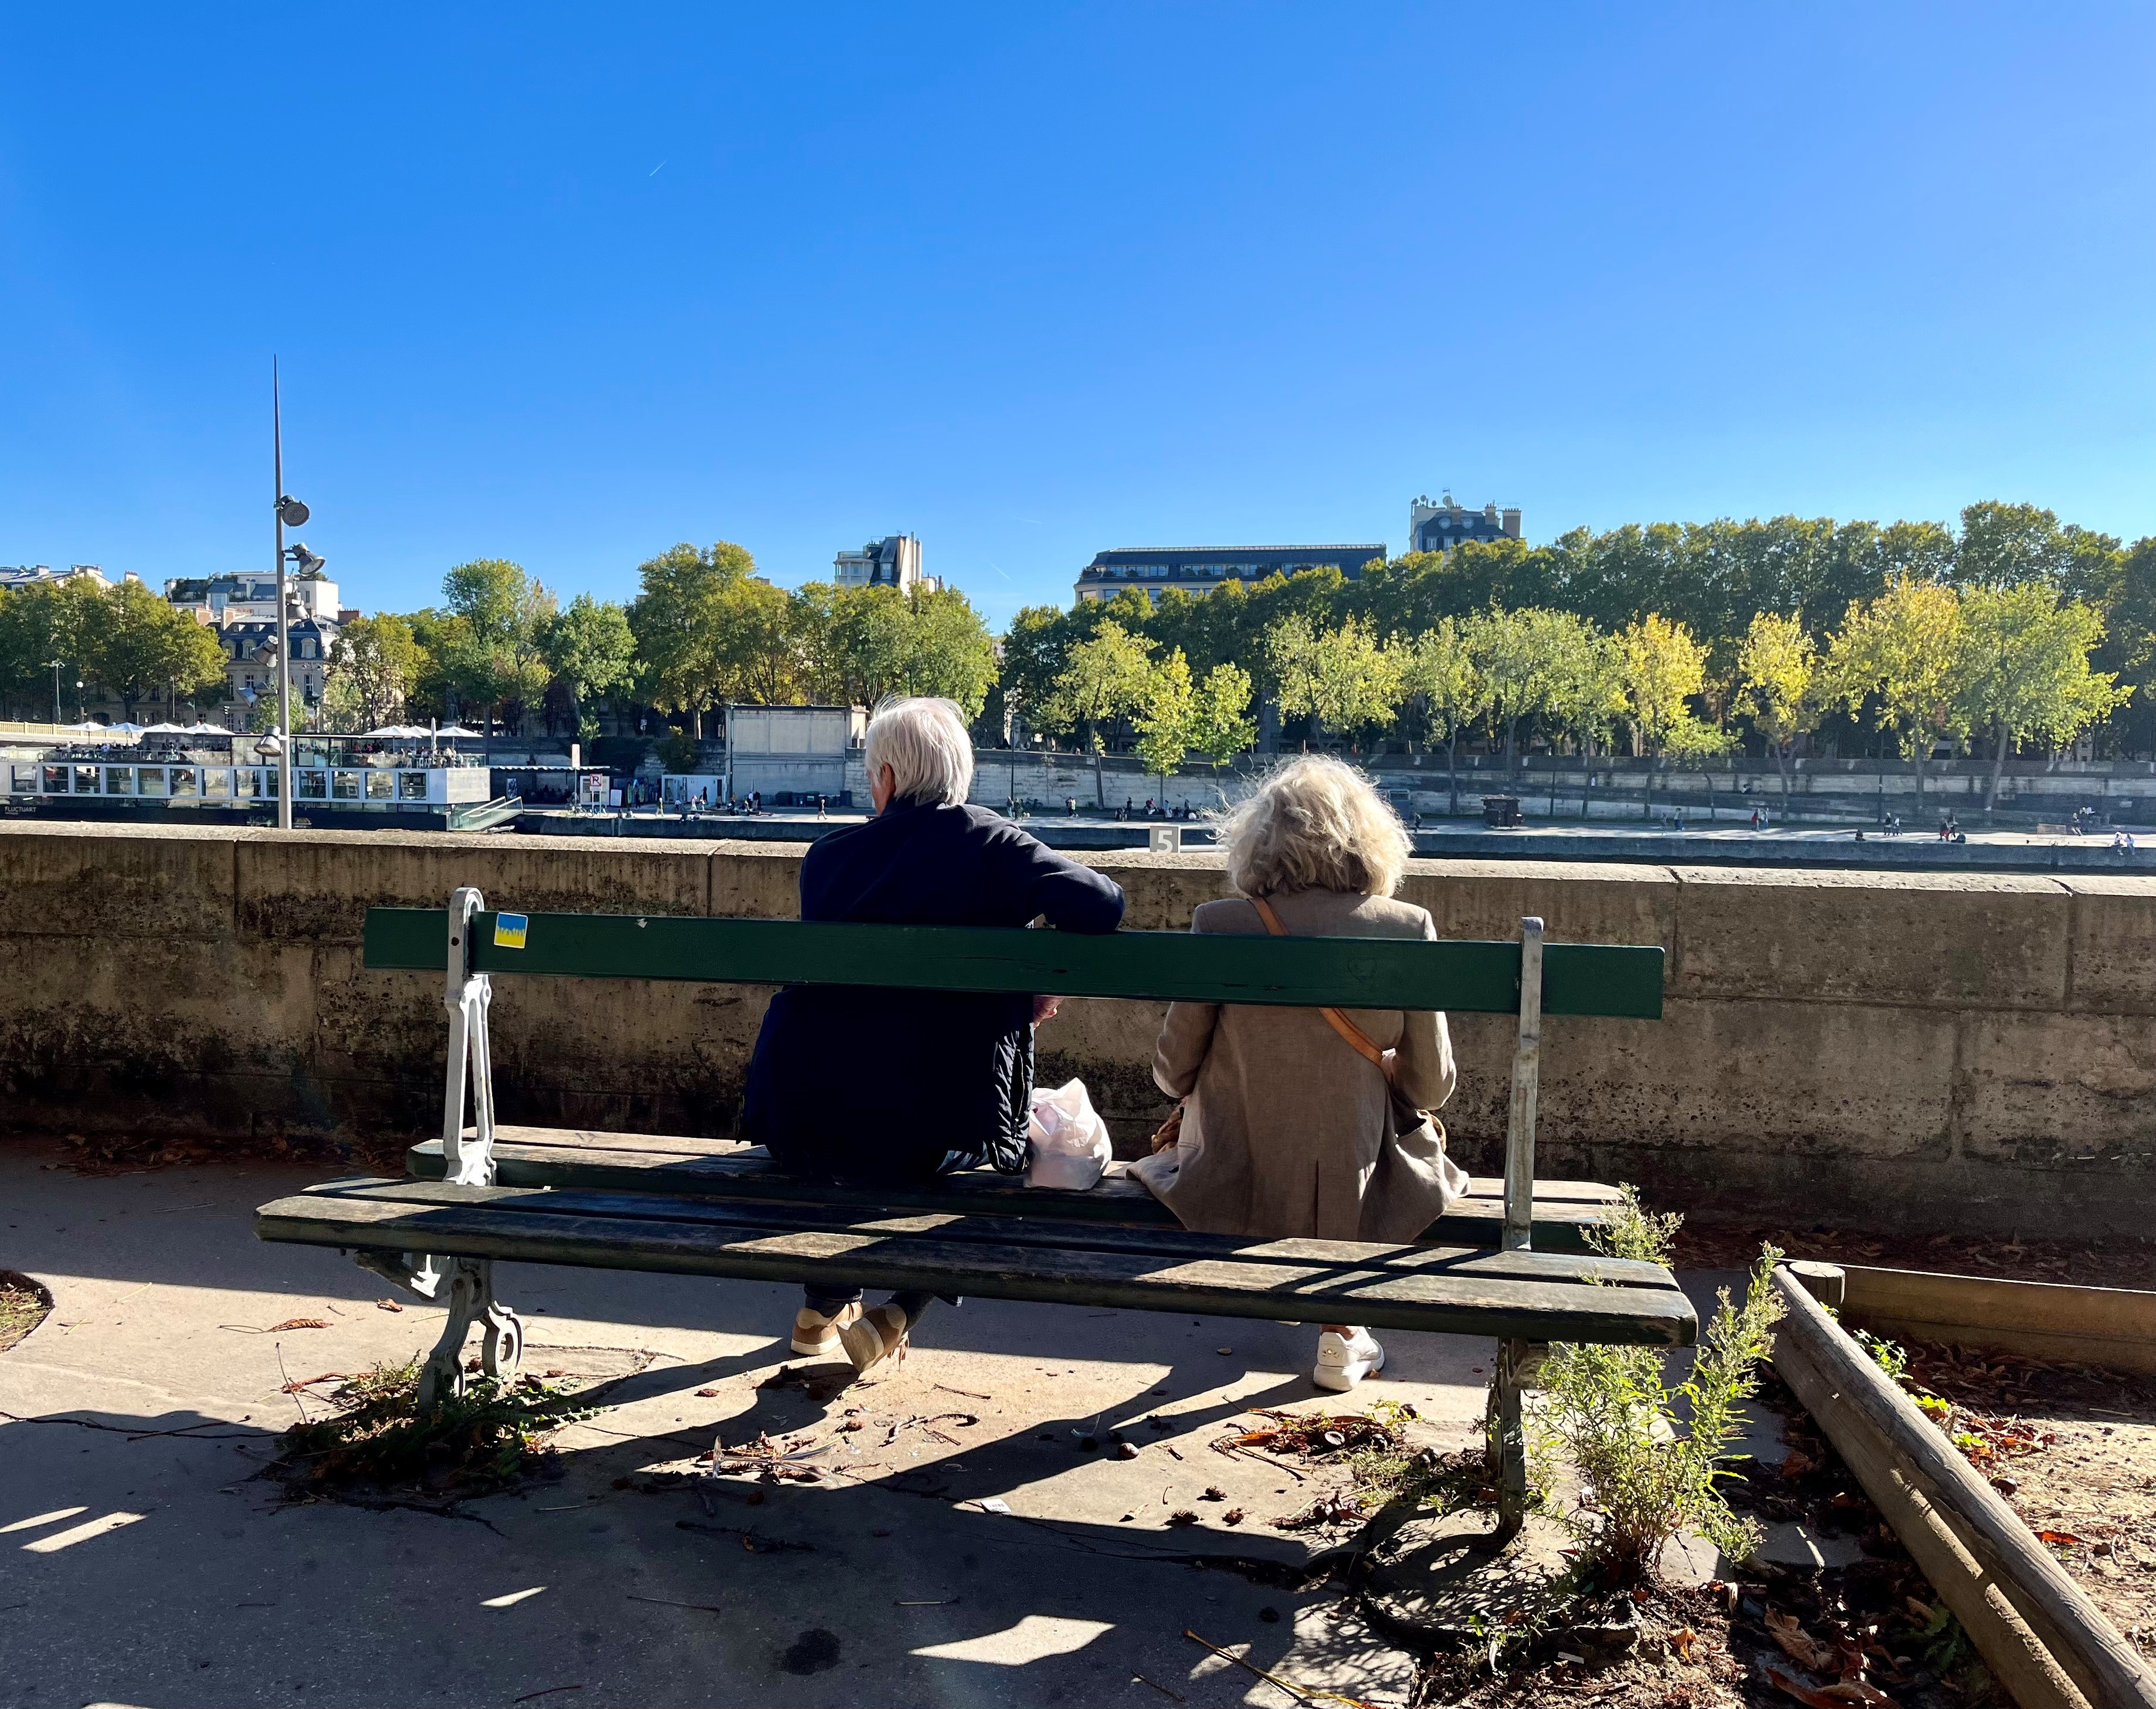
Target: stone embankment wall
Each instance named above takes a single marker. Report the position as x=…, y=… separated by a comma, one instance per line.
x=1882, y=1048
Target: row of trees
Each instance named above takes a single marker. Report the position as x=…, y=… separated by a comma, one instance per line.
x=122, y=642
x=704, y=629
x=1574, y=641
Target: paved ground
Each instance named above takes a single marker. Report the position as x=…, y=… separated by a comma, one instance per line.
x=143, y=1561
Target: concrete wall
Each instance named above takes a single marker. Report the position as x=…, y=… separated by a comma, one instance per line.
x=1870, y=1047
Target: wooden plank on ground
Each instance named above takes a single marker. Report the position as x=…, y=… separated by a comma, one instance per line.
x=1301, y=1292
x=2112, y=1328
x=1304, y=972
x=1044, y=1234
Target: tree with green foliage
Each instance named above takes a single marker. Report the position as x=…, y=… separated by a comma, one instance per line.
x=134, y=644
x=1221, y=726
x=1778, y=671
x=39, y=623
x=1517, y=654
x=495, y=655
x=591, y=651
x=1438, y=665
x=1586, y=698
x=685, y=620
x=1663, y=668
x=1901, y=654
x=373, y=665
x=1102, y=681
x=2024, y=670
x=1342, y=679
x=1166, y=716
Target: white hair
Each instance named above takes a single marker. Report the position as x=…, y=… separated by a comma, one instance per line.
x=1313, y=823
x=923, y=740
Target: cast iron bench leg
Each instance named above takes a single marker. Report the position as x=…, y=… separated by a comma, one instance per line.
x=501, y=1344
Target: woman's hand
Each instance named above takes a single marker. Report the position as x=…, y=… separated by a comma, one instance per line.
x=1045, y=1008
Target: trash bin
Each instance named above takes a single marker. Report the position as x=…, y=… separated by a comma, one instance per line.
x=1501, y=812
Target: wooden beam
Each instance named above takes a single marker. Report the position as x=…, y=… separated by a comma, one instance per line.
x=2112, y=1328
x=1902, y=1457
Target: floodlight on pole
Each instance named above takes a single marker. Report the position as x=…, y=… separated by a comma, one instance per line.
x=290, y=512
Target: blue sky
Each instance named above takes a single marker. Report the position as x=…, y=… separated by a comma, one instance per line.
x=568, y=285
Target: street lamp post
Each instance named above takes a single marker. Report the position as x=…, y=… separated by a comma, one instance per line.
x=288, y=510
x=56, y=694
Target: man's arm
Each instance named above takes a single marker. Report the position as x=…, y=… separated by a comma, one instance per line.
x=1073, y=898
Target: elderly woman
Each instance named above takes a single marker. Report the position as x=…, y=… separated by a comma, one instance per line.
x=883, y=1086
x=1304, y=1121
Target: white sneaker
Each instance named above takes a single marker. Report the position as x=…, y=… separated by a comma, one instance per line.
x=1345, y=1360
x=816, y=1335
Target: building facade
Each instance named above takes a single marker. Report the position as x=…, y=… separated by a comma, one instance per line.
x=1440, y=526
x=14, y=577
x=1200, y=569
x=893, y=562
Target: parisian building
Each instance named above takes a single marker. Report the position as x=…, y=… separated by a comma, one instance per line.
x=1440, y=526
x=1200, y=569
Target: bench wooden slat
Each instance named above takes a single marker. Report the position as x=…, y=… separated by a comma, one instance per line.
x=1304, y=972
x=974, y=1227
x=539, y=1157
x=1386, y=1297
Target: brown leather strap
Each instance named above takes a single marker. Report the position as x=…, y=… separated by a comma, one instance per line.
x=1340, y=1025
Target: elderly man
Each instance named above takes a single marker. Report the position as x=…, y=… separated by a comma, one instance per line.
x=882, y=1087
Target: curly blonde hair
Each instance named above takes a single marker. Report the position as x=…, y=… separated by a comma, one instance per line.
x=1313, y=823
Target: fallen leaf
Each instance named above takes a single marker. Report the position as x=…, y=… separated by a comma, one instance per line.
x=1798, y=1644
x=707, y=1393
x=1681, y=1640
x=1921, y=1610
x=1827, y=1697
x=300, y=1323
x=387, y=1306
x=2059, y=1539
x=1224, y=1350
x=1795, y=1466
x=1233, y=1515
x=1182, y=1516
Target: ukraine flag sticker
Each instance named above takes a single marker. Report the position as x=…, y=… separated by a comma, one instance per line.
x=509, y=931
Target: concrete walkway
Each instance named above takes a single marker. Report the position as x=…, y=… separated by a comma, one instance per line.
x=143, y=1561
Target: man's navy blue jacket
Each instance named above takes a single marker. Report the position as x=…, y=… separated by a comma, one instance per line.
x=878, y=1085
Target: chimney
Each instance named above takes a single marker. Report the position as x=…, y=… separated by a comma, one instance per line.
x=1511, y=525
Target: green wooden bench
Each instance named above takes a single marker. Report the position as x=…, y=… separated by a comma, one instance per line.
x=482, y=1192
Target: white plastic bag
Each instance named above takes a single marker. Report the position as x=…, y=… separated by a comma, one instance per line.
x=1066, y=1140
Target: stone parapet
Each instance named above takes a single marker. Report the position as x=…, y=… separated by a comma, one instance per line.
x=1913, y=1050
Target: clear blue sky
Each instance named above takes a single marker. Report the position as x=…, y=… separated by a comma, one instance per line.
x=568, y=285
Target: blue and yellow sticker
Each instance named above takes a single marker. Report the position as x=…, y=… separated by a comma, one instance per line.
x=509, y=931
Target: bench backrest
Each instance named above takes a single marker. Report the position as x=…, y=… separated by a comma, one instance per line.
x=1304, y=972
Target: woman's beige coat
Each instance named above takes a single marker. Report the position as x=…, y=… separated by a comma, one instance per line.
x=1289, y=1129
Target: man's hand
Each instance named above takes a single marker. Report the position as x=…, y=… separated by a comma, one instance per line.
x=1045, y=1008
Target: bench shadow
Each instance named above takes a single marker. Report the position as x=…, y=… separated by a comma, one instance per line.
x=149, y=1563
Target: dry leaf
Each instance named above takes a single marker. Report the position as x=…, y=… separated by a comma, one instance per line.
x=300, y=1323
x=2061, y=1539
x=1681, y=1640
x=1796, y=1464
x=1828, y=1697
x=387, y=1306
x=1798, y=1644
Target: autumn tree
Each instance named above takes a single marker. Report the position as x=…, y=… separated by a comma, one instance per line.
x=1779, y=686
x=1901, y=652
x=1165, y=715
x=1342, y=679
x=1101, y=679
x=1221, y=726
x=1663, y=668
x=1439, y=664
